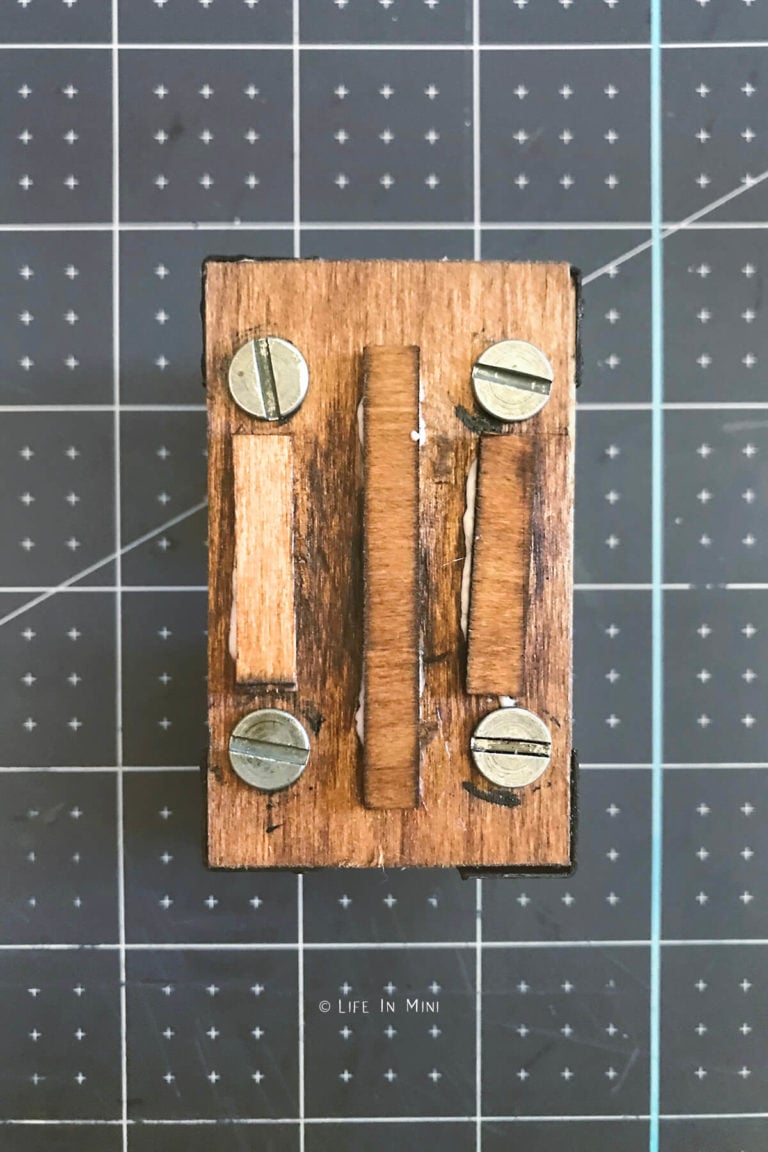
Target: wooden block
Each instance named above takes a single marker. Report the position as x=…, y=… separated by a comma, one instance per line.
x=501, y=559
x=331, y=310
x=391, y=495
x=263, y=631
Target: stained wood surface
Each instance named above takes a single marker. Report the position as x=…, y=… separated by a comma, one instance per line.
x=451, y=312
x=391, y=548
x=263, y=623
x=501, y=560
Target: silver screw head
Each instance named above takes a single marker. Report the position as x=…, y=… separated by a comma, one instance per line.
x=512, y=380
x=511, y=747
x=269, y=749
x=268, y=377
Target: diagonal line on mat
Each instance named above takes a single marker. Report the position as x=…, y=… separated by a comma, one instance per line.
x=100, y=563
x=750, y=182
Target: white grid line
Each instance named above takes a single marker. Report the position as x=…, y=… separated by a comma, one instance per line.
x=296, y=117
x=656, y=917
x=674, y=406
x=669, y=226
x=598, y=944
x=300, y=946
x=102, y=407
x=289, y=1120
x=111, y=588
x=476, y=141
x=478, y=1015
x=318, y=46
x=119, y=814
x=606, y=1118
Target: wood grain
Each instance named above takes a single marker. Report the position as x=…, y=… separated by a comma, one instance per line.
x=391, y=546
x=263, y=632
x=501, y=559
x=451, y=312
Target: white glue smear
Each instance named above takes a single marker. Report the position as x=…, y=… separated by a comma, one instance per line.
x=360, y=715
x=233, y=618
x=507, y=702
x=469, y=533
x=361, y=422
x=419, y=435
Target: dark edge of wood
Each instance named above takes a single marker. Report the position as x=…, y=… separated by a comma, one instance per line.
x=578, y=288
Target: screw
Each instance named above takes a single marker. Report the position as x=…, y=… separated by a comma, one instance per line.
x=269, y=749
x=512, y=380
x=268, y=377
x=511, y=747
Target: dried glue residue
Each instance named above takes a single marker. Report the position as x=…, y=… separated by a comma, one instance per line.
x=360, y=715
x=233, y=618
x=419, y=435
x=469, y=533
x=361, y=422
x=507, y=702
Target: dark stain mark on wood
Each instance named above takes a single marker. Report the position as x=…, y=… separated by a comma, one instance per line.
x=437, y=657
x=475, y=421
x=313, y=716
x=493, y=796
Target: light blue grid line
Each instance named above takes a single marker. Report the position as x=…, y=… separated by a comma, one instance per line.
x=657, y=566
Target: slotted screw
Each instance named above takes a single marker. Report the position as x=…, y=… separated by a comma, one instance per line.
x=512, y=380
x=511, y=747
x=268, y=377
x=269, y=749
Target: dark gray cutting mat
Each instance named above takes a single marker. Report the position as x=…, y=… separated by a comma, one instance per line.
x=151, y=1006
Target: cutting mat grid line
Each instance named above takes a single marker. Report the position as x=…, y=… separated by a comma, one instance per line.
x=152, y=997
x=657, y=572
x=381, y=46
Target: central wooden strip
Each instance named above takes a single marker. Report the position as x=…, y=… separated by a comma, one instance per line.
x=391, y=451
x=501, y=561
x=263, y=626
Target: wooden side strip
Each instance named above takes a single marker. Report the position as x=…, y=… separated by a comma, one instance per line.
x=391, y=450
x=501, y=559
x=264, y=621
